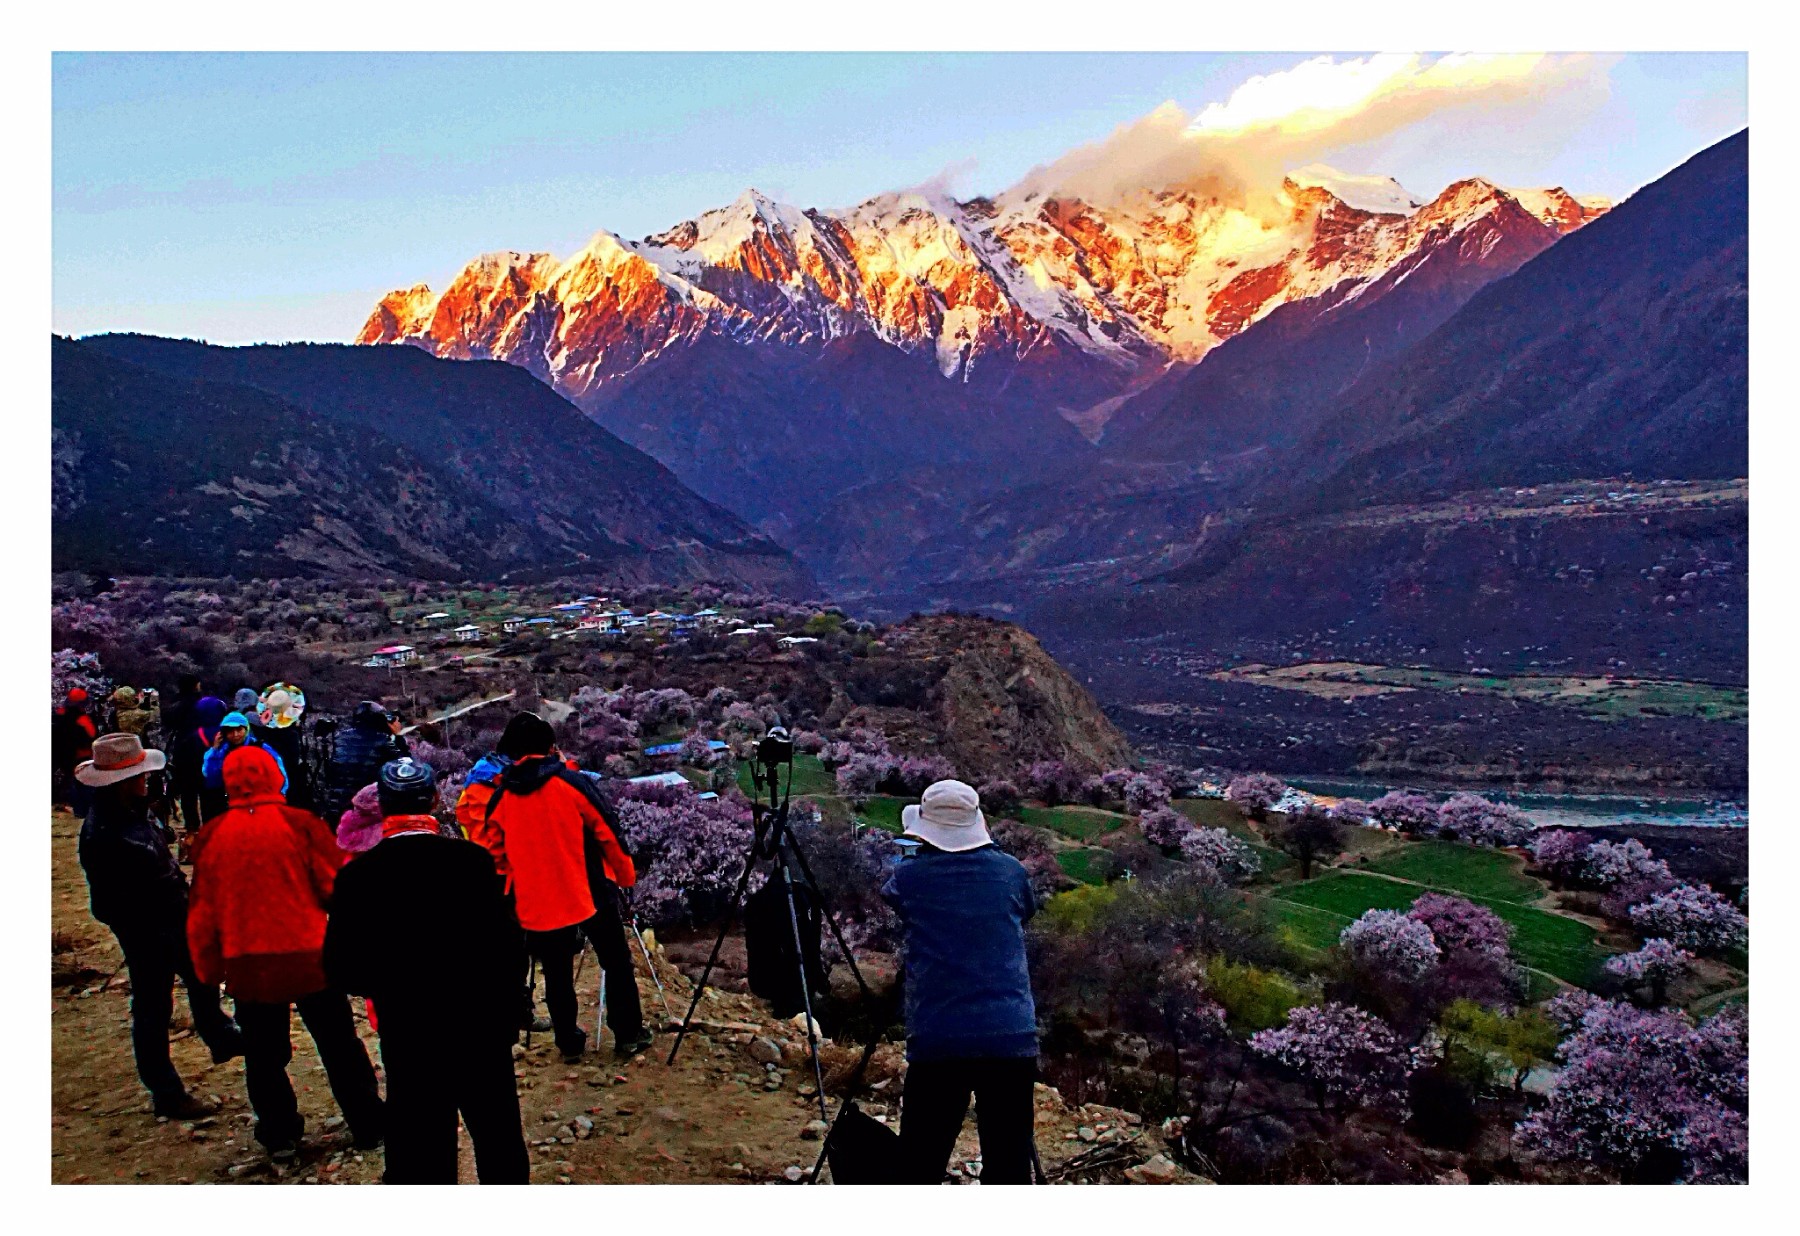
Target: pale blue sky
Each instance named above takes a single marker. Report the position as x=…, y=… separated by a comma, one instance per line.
x=251, y=197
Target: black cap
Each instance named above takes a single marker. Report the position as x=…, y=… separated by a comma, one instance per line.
x=526, y=734
x=406, y=787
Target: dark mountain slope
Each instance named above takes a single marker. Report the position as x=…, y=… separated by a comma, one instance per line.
x=1622, y=349
x=1270, y=385
x=482, y=469
x=775, y=432
x=157, y=474
x=491, y=430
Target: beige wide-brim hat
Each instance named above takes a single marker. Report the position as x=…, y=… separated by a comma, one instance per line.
x=118, y=757
x=949, y=817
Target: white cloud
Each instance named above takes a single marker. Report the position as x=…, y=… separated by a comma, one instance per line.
x=1240, y=148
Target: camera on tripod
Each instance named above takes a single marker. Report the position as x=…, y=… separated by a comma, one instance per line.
x=776, y=748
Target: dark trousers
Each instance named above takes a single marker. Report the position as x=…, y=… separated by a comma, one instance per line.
x=935, y=1101
x=267, y=1050
x=433, y=1075
x=555, y=952
x=156, y=953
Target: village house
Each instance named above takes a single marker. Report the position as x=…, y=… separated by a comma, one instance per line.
x=512, y=626
x=394, y=655
x=467, y=633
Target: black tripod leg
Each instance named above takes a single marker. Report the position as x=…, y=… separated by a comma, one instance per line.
x=737, y=901
x=812, y=1034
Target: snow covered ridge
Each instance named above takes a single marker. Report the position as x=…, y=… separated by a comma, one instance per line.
x=1158, y=276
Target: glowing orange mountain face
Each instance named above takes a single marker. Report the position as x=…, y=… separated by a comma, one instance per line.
x=966, y=285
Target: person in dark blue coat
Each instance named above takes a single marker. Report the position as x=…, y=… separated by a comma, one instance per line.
x=971, y=1026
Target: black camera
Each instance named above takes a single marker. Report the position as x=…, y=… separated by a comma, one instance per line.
x=777, y=747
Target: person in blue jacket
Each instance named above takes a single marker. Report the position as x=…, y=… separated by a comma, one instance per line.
x=234, y=732
x=971, y=1025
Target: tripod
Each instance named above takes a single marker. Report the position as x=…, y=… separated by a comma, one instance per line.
x=772, y=840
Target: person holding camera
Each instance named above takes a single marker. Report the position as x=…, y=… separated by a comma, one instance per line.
x=565, y=868
x=971, y=1026
x=360, y=746
x=419, y=924
x=233, y=733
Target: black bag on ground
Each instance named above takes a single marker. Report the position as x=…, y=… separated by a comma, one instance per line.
x=771, y=967
x=862, y=1150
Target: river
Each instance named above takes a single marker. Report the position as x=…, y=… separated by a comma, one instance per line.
x=1563, y=810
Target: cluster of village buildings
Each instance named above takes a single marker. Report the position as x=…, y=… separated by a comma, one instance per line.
x=584, y=615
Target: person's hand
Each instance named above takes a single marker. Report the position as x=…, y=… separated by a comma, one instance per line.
x=218, y=739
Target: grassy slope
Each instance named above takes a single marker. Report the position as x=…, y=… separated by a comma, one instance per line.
x=1560, y=946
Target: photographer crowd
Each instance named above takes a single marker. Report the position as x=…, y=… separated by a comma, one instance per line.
x=317, y=880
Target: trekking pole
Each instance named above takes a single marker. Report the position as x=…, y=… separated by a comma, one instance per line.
x=530, y=1001
x=654, y=976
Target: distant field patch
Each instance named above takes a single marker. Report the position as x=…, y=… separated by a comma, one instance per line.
x=1075, y=823
x=1084, y=864
x=1469, y=870
x=883, y=813
x=810, y=777
x=1602, y=696
x=1556, y=945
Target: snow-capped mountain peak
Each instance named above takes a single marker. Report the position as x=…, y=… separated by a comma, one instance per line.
x=1380, y=195
x=988, y=284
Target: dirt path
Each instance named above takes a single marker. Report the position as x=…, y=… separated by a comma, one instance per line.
x=716, y=1116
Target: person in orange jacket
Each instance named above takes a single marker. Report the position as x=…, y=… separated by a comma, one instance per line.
x=541, y=824
x=263, y=877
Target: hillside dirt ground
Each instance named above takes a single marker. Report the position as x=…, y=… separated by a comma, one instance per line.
x=716, y=1116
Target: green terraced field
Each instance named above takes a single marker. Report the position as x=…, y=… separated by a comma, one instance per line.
x=1469, y=870
x=1076, y=823
x=1560, y=946
x=1081, y=864
x=810, y=778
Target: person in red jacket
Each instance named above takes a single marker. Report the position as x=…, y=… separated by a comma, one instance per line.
x=263, y=875
x=540, y=825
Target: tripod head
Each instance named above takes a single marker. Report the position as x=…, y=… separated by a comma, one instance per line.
x=769, y=820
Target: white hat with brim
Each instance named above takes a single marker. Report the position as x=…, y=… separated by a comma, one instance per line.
x=949, y=817
x=118, y=757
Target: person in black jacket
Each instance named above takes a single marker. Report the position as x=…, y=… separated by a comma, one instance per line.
x=369, y=739
x=181, y=731
x=136, y=888
x=420, y=925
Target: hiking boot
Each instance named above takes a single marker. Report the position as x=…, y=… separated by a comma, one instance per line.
x=636, y=1045
x=284, y=1151
x=185, y=1106
x=539, y=1025
x=572, y=1049
x=368, y=1139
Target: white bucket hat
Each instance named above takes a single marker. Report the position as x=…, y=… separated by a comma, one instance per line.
x=949, y=817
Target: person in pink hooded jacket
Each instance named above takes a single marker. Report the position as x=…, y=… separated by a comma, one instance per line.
x=359, y=828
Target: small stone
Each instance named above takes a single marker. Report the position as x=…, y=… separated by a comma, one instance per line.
x=568, y=1141
x=765, y=1051
x=564, y=1180
x=333, y=1123
x=1158, y=1170
x=814, y=1130
x=774, y=1083
x=312, y=1180
x=550, y=1116
x=807, y=1091
x=1086, y=1134
x=793, y=1173
x=584, y=1127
